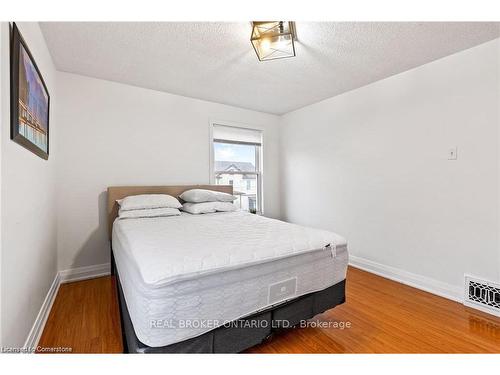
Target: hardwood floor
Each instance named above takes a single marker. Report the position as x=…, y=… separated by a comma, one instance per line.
x=384, y=317
x=85, y=317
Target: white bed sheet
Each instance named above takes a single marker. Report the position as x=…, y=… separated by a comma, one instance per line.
x=183, y=276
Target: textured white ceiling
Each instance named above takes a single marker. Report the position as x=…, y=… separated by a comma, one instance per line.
x=216, y=62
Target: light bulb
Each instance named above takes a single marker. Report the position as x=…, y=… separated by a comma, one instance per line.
x=265, y=44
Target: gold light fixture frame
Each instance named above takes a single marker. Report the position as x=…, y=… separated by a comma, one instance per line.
x=273, y=40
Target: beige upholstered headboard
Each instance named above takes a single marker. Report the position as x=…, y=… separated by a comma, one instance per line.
x=119, y=192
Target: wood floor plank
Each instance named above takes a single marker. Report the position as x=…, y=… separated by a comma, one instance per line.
x=85, y=318
x=385, y=317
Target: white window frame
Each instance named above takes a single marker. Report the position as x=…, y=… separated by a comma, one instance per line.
x=259, y=159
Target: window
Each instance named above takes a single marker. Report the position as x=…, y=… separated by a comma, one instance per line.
x=237, y=161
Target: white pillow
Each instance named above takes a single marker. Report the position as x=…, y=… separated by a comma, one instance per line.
x=208, y=207
x=149, y=212
x=145, y=201
x=202, y=195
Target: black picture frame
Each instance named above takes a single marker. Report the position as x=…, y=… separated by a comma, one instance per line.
x=30, y=127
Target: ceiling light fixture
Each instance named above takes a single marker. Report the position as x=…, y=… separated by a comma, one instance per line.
x=273, y=40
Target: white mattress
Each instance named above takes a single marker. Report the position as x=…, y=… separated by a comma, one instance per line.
x=185, y=275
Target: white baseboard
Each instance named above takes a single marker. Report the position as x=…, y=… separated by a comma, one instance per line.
x=39, y=324
x=84, y=273
x=404, y=277
x=65, y=276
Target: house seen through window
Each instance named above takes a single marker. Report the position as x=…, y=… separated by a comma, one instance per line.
x=237, y=162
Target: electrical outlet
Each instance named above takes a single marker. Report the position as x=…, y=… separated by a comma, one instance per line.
x=452, y=153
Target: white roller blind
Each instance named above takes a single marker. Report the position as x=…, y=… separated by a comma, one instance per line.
x=231, y=134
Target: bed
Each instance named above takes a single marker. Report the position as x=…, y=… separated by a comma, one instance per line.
x=221, y=282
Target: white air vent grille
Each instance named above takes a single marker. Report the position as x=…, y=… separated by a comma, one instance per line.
x=482, y=295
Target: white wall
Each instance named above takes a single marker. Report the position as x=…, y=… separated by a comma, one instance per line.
x=2, y=119
x=115, y=134
x=28, y=216
x=372, y=165
x=498, y=158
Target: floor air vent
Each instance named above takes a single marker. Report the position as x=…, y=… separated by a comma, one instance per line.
x=482, y=295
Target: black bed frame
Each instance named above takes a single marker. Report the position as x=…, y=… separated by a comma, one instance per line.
x=237, y=337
